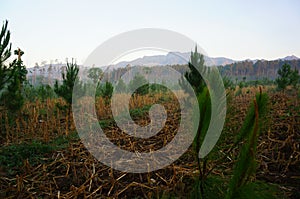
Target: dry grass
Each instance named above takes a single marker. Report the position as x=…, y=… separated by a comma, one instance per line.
x=74, y=173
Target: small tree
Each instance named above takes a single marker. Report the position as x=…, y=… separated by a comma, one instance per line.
x=155, y=88
x=196, y=64
x=244, y=79
x=5, y=53
x=65, y=90
x=95, y=74
x=45, y=92
x=105, y=90
x=69, y=78
x=13, y=97
x=121, y=86
x=228, y=83
x=193, y=76
x=286, y=77
x=294, y=78
x=139, y=80
x=12, y=76
x=245, y=166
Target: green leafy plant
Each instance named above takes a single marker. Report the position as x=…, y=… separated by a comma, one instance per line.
x=195, y=65
x=5, y=53
x=204, y=101
x=65, y=90
x=13, y=97
x=95, y=74
x=121, y=87
x=245, y=167
x=156, y=88
x=295, y=78
x=105, y=90
x=139, y=80
x=287, y=76
x=193, y=76
x=12, y=156
x=12, y=76
x=228, y=83
x=69, y=79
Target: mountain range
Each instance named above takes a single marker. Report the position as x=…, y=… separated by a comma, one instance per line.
x=179, y=58
x=229, y=67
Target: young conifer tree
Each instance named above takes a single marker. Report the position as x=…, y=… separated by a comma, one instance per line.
x=12, y=75
x=287, y=76
x=196, y=64
x=65, y=90
x=197, y=67
x=245, y=167
x=69, y=79
x=5, y=53
x=13, y=97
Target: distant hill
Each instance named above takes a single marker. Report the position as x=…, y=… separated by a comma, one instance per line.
x=288, y=58
x=179, y=58
x=252, y=69
x=172, y=58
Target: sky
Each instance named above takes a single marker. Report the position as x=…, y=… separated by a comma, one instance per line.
x=49, y=30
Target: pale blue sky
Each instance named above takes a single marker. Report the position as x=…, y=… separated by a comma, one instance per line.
x=49, y=30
